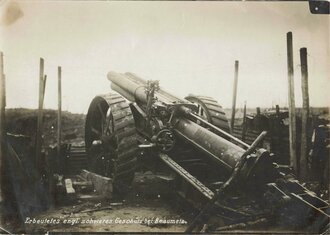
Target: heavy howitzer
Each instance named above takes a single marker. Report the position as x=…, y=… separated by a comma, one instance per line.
x=189, y=139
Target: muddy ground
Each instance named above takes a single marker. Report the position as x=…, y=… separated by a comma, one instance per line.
x=24, y=122
x=144, y=209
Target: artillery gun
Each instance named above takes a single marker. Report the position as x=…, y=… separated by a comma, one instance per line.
x=140, y=124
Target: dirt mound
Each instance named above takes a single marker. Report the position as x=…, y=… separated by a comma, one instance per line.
x=24, y=121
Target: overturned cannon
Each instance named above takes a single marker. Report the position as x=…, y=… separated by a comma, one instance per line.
x=140, y=124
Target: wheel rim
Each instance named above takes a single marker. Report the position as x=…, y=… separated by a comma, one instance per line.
x=100, y=141
x=210, y=110
x=110, y=137
x=202, y=110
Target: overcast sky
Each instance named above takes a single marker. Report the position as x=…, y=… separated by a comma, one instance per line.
x=189, y=46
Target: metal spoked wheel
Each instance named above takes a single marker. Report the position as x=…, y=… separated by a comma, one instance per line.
x=210, y=110
x=110, y=139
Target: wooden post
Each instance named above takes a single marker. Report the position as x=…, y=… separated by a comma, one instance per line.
x=40, y=113
x=244, y=122
x=2, y=106
x=304, y=114
x=277, y=111
x=44, y=89
x=2, y=127
x=258, y=111
x=257, y=122
x=292, y=108
x=59, y=112
x=277, y=132
x=234, y=97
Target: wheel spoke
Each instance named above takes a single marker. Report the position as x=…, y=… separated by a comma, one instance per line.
x=199, y=110
x=210, y=110
x=108, y=122
x=103, y=121
x=168, y=144
x=95, y=131
x=101, y=110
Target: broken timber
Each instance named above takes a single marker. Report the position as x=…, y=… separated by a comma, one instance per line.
x=102, y=185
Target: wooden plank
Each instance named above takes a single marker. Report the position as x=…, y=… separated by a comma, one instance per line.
x=102, y=185
x=69, y=186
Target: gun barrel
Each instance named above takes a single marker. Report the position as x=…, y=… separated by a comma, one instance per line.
x=132, y=88
x=219, y=149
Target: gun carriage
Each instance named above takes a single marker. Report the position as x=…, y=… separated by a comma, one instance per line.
x=140, y=124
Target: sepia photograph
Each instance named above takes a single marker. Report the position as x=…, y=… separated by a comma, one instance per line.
x=204, y=117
